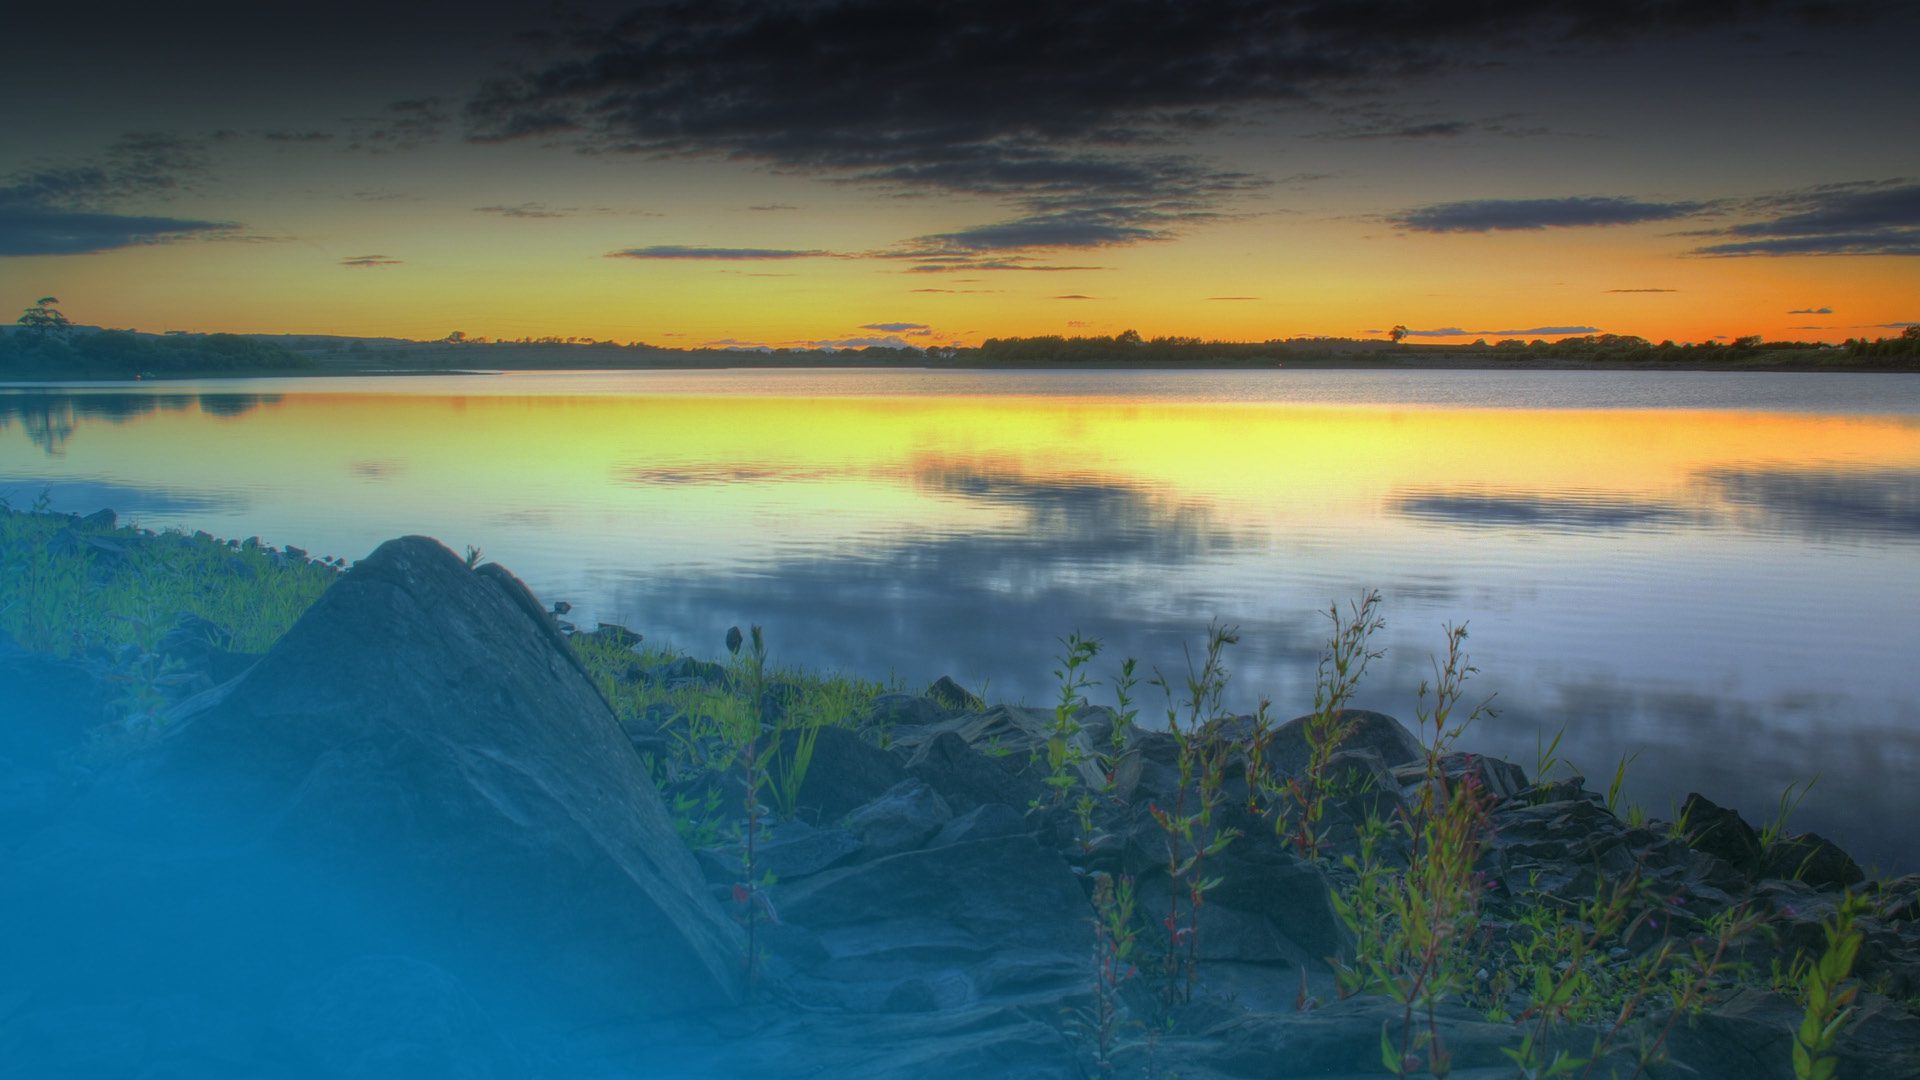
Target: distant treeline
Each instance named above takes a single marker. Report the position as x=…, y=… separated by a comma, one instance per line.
x=123, y=354
x=1130, y=349
x=1906, y=346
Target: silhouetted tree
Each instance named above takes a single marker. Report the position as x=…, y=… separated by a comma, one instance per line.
x=45, y=320
x=1398, y=333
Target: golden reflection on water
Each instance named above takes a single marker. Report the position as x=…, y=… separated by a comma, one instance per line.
x=879, y=458
x=1736, y=585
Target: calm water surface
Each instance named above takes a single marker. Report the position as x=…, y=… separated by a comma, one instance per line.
x=1722, y=572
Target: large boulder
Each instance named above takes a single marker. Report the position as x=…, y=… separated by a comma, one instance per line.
x=421, y=767
x=1373, y=731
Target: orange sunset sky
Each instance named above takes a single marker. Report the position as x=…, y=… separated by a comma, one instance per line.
x=844, y=173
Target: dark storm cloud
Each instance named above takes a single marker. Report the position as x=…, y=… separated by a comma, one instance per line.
x=682, y=251
x=370, y=261
x=1048, y=105
x=1492, y=215
x=1863, y=218
x=69, y=209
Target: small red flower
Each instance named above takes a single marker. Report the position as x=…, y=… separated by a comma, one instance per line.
x=740, y=893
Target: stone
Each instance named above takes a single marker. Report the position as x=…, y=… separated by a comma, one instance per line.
x=1814, y=859
x=1373, y=731
x=901, y=819
x=967, y=778
x=1722, y=833
x=846, y=772
x=686, y=669
x=953, y=697
x=891, y=711
x=990, y=908
x=613, y=636
x=101, y=520
x=789, y=851
x=987, y=821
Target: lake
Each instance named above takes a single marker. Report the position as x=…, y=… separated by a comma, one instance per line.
x=1719, y=572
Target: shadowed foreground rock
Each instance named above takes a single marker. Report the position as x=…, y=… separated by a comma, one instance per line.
x=418, y=767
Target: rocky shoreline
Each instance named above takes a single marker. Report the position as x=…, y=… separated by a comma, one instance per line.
x=413, y=838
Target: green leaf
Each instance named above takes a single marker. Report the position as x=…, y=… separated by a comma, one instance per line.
x=1802, y=1064
x=1390, y=1054
x=1824, y=1068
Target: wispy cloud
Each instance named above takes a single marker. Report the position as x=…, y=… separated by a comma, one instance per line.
x=1642, y=290
x=370, y=261
x=1811, y=311
x=1862, y=218
x=401, y=125
x=957, y=263
x=899, y=327
x=682, y=251
x=1501, y=215
x=1373, y=121
x=1075, y=296
x=527, y=210
x=1233, y=298
x=1531, y=331
x=71, y=209
x=889, y=342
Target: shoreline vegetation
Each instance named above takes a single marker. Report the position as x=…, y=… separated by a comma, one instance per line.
x=1340, y=892
x=44, y=347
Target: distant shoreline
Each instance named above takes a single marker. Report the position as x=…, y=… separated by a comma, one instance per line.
x=1841, y=364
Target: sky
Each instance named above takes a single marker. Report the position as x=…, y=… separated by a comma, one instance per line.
x=849, y=172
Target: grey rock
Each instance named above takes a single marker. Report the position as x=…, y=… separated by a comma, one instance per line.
x=1373, y=731
x=890, y=711
x=789, y=851
x=953, y=697
x=418, y=766
x=902, y=818
x=988, y=821
x=847, y=771
x=1722, y=833
x=1814, y=859
x=968, y=779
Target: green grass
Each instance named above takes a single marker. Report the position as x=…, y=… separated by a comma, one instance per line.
x=72, y=600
